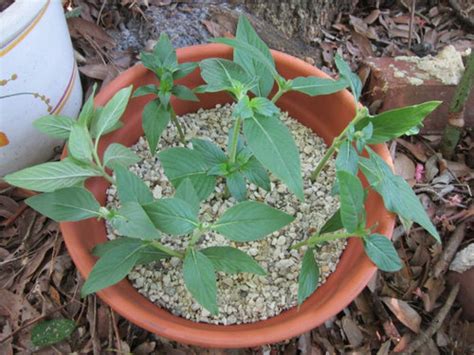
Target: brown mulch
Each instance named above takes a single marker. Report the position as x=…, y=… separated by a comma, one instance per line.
x=411, y=310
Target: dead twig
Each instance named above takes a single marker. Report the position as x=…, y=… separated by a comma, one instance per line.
x=449, y=250
x=424, y=336
x=410, y=25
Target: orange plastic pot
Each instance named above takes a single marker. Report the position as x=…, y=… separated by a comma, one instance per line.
x=327, y=116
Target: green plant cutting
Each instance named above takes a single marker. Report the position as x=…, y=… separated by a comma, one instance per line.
x=259, y=144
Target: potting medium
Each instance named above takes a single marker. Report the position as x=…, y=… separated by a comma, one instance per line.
x=242, y=298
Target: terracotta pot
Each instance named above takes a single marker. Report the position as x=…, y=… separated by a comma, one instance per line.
x=326, y=115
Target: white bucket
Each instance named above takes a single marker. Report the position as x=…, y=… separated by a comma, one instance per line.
x=38, y=76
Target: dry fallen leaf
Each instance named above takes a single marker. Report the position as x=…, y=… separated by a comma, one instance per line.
x=404, y=313
x=405, y=167
x=352, y=331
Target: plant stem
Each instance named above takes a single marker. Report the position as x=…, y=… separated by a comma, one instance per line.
x=360, y=113
x=316, y=238
x=278, y=94
x=196, y=235
x=99, y=165
x=452, y=132
x=175, y=121
x=235, y=140
x=167, y=250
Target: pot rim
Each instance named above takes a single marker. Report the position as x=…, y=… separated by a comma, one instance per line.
x=285, y=325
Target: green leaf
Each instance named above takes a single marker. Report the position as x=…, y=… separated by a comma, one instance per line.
x=49, y=177
x=256, y=173
x=272, y=143
x=250, y=220
x=155, y=118
x=352, y=200
x=333, y=224
x=49, y=332
x=395, y=123
x=68, y=204
x=254, y=67
x=184, y=69
x=187, y=193
x=181, y=163
x=165, y=52
x=223, y=74
x=232, y=260
x=242, y=108
x=131, y=188
x=80, y=143
x=250, y=50
x=111, y=113
x=87, y=113
x=111, y=268
x=237, y=186
x=347, y=74
x=264, y=107
x=200, y=279
x=131, y=220
x=184, y=93
x=54, y=126
x=309, y=276
x=210, y=152
x=146, y=90
x=397, y=195
x=381, y=251
x=148, y=253
x=347, y=158
x=313, y=86
x=172, y=216
x=119, y=155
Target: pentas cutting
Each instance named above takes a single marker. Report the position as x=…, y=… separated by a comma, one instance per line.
x=259, y=144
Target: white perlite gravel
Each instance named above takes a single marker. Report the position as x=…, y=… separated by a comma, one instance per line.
x=242, y=298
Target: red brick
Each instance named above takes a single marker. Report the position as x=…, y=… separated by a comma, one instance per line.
x=396, y=92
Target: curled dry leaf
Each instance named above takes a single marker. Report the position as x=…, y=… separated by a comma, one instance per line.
x=404, y=313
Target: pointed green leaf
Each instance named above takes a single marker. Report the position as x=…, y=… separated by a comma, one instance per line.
x=132, y=221
x=49, y=177
x=54, y=126
x=113, y=267
x=237, y=186
x=309, y=276
x=131, y=188
x=272, y=143
x=250, y=220
x=232, y=260
x=346, y=73
x=182, y=163
x=154, y=120
x=333, y=224
x=256, y=173
x=184, y=69
x=68, y=204
x=187, y=193
x=165, y=52
x=223, y=74
x=200, y=279
x=184, y=93
x=264, y=107
x=87, y=113
x=110, y=115
x=352, y=200
x=397, y=195
x=347, y=158
x=148, y=253
x=80, y=143
x=210, y=152
x=172, y=216
x=382, y=252
x=49, y=332
x=395, y=123
x=314, y=86
x=254, y=67
x=119, y=155
x=146, y=90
